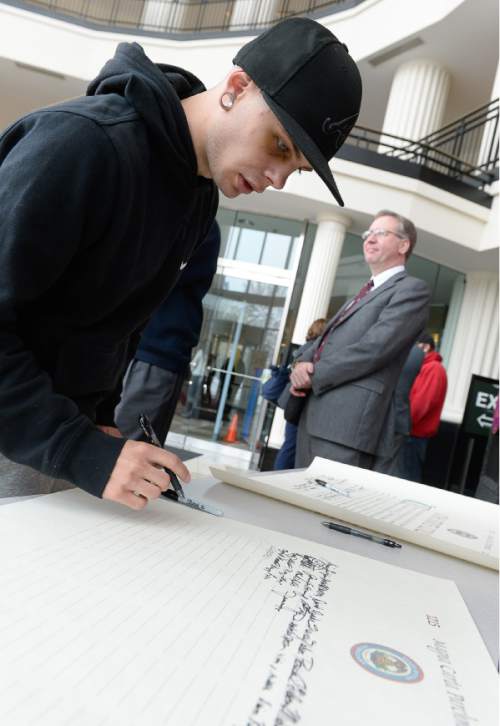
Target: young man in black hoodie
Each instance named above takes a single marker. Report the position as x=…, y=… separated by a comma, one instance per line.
x=103, y=200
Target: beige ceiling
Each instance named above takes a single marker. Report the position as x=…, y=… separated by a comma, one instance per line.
x=23, y=90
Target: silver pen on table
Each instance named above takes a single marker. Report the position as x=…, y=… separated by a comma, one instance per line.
x=364, y=535
x=331, y=488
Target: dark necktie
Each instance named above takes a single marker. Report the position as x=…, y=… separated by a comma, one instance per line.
x=340, y=316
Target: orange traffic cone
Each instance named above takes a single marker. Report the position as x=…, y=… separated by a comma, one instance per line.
x=232, y=432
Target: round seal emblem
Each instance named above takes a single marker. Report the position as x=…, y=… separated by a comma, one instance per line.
x=386, y=662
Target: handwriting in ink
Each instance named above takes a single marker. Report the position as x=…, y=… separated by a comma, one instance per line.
x=300, y=583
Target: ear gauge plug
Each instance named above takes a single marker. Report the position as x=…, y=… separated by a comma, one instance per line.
x=227, y=100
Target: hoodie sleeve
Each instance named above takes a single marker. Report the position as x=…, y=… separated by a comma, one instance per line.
x=175, y=328
x=56, y=173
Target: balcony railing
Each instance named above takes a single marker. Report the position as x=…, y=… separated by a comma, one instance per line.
x=184, y=17
x=472, y=138
x=462, y=157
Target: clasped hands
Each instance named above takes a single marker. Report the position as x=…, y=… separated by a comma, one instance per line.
x=301, y=379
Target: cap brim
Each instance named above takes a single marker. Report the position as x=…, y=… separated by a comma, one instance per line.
x=306, y=146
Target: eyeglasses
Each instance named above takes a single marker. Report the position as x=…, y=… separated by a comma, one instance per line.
x=380, y=233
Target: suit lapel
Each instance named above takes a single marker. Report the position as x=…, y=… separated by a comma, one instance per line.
x=366, y=300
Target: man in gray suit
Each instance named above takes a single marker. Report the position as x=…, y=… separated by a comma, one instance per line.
x=349, y=375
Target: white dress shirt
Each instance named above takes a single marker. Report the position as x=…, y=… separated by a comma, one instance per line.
x=385, y=275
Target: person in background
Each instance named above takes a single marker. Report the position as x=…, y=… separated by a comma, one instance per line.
x=427, y=397
x=154, y=378
x=346, y=380
x=272, y=389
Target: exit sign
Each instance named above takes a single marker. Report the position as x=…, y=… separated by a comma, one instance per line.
x=480, y=406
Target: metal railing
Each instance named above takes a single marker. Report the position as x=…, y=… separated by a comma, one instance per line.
x=465, y=151
x=185, y=17
x=472, y=138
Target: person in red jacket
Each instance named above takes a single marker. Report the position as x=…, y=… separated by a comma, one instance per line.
x=426, y=403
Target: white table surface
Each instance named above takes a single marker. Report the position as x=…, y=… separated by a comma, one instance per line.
x=478, y=585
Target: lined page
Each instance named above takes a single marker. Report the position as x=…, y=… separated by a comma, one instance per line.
x=170, y=616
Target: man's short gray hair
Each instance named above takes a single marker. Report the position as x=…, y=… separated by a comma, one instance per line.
x=406, y=227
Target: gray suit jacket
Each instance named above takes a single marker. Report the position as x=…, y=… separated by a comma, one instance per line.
x=352, y=401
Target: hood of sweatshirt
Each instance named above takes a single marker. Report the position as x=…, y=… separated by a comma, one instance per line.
x=431, y=357
x=154, y=91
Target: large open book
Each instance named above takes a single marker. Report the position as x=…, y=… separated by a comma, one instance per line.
x=440, y=520
x=111, y=617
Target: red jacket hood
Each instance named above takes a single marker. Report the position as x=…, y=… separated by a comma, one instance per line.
x=431, y=356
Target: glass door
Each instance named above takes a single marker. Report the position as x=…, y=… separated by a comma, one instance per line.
x=244, y=315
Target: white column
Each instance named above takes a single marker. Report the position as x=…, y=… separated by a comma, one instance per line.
x=247, y=13
x=321, y=273
x=417, y=100
x=490, y=130
x=452, y=318
x=317, y=292
x=475, y=347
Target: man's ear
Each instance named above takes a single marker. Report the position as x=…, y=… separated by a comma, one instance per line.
x=238, y=82
x=404, y=246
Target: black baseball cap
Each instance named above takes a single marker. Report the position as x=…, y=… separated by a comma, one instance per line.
x=311, y=83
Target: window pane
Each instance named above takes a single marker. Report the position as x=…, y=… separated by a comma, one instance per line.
x=275, y=250
x=424, y=269
x=271, y=241
x=294, y=251
x=249, y=245
x=444, y=285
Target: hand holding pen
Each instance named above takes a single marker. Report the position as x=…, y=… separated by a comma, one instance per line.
x=152, y=438
x=139, y=474
x=178, y=493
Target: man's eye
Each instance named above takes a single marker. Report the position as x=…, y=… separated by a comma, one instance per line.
x=281, y=145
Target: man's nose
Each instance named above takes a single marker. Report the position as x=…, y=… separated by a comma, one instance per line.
x=278, y=176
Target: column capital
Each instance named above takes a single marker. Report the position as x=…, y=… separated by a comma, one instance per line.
x=336, y=217
x=417, y=100
x=481, y=275
x=420, y=63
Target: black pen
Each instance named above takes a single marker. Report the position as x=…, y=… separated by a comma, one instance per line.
x=153, y=439
x=364, y=535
